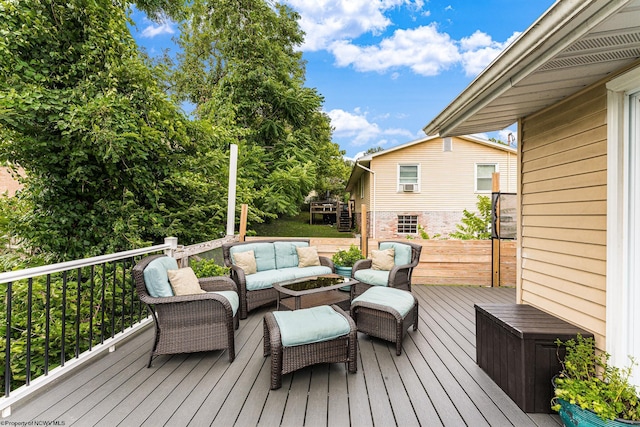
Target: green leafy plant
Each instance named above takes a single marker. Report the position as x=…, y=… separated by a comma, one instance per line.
x=208, y=268
x=589, y=381
x=346, y=258
x=475, y=226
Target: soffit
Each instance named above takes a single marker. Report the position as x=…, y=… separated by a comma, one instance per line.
x=538, y=79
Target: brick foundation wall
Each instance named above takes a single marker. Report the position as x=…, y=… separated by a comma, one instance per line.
x=433, y=222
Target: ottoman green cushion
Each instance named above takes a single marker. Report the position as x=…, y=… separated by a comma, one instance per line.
x=399, y=300
x=310, y=325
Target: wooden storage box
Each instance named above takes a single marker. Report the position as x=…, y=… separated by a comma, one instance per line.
x=516, y=346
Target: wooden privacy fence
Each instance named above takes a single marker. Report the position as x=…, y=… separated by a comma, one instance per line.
x=442, y=262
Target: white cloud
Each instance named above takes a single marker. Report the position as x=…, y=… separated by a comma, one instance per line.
x=326, y=21
x=479, y=50
x=333, y=25
x=359, y=130
x=154, y=30
x=424, y=50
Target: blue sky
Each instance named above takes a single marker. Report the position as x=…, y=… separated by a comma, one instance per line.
x=387, y=67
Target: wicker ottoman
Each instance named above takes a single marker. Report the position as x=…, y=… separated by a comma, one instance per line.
x=385, y=313
x=286, y=358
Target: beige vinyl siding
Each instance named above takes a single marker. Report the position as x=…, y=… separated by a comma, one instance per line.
x=447, y=179
x=366, y=200
x=563, y=210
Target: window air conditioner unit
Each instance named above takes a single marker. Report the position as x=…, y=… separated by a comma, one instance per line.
x=409, y=188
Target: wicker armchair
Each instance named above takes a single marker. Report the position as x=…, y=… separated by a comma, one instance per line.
x=190, y=323
x=399, y=276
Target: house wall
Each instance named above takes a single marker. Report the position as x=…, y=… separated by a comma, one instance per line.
x=7, y=183
x=563, y=210
x=447, y=184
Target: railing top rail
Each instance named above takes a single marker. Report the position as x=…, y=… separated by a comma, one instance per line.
x=11, y=276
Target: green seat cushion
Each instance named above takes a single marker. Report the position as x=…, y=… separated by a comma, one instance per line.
x=232, y=297
x=310, y=325
x=264, y=253
x=285, y=253
x=399, y=300
x=402, y=252
x=156, y=278
x=372, y=277
x=266, y=279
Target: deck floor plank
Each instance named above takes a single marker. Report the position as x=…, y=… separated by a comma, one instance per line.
x=359, y=403
x=435, y=381
x=339, y=399
x=403, y=411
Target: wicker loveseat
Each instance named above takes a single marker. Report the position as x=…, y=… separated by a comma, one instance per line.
x=276, y=261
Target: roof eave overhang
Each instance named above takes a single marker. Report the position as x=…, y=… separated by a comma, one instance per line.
x=563, y=24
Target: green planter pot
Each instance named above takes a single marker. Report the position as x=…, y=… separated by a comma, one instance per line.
x=343, y=271
x=346, y=272
x=574, y=416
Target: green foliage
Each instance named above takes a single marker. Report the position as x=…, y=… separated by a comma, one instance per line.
x=111, y=310
x=208, y=268
x=588, y=380
x=347, y=258
x=475, y=226
x=424, y=235
x=241, y=66
x=111, y=162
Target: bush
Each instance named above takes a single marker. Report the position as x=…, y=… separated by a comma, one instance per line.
x=346, y=258
x=589, y=381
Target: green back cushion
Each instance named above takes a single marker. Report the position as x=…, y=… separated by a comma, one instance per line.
x=399, y=300
x=156, y=277
x=286, y=255
x=402, y=252
x=264, y=253
x=310, y=325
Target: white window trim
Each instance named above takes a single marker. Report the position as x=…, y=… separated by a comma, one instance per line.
x=399, y=186
x=475, y=175
x=623, y=218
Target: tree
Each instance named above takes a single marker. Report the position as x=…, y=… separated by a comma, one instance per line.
x=240, y=66
x=104, y=150
x=475, y=226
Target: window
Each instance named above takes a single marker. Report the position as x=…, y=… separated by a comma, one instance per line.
x=484, y=177
x=407, y=224
x=408, y=178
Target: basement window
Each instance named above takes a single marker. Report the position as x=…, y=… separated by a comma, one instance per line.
x=407, y=224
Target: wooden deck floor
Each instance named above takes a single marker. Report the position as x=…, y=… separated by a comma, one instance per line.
x=434, y=382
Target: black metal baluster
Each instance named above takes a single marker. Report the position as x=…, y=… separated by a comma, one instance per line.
x=91, y=286
x=113, y=297
x=78, y=316
x=64, y=319
x=103, y=302
x=47, y=324
x=7, y=350
x=124, y=295
x=29, y=325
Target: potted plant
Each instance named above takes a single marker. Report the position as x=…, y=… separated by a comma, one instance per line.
x=344, y=260
x=591, y=392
